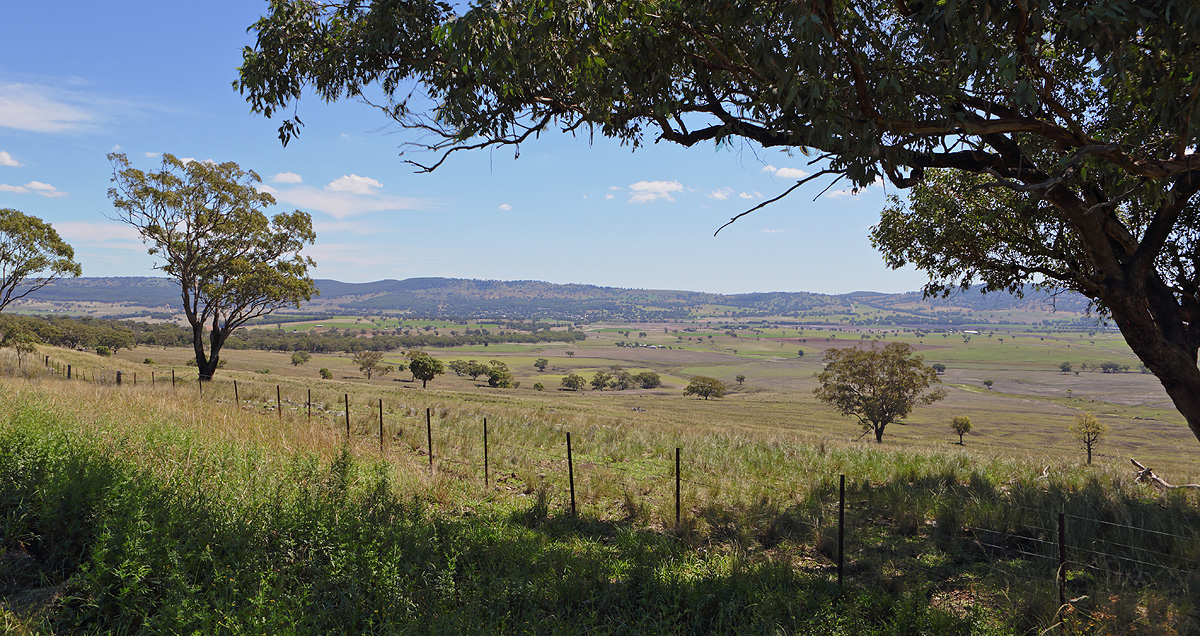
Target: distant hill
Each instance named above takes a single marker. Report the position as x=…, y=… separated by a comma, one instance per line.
x=535, y=299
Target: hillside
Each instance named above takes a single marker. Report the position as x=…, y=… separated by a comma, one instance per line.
x=535, y=299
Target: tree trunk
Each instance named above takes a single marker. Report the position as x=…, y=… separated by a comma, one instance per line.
x=1168, y=353
x=879, y=433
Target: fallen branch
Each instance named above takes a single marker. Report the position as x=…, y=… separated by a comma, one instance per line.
x=1147, y=474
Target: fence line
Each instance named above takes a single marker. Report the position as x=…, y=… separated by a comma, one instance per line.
x=647, y=471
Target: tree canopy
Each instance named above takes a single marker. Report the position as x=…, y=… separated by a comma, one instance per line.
x=31, y=256
x=877, y=386
x=1048, y=142
x=705, y=387
x=204, y=221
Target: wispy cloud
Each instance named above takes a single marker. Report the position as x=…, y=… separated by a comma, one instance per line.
x=7, y=160
x=773, y=231
x=152, y=155
x=608, y=196
x=786, y=173
x=286, y=177
x=506, y=207
x=97, y=232
x=346, y=196
x=645, y=191
x=720, y=194
x=48, y=109
x=34, y=187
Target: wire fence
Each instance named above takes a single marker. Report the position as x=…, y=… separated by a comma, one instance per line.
x=678, y=487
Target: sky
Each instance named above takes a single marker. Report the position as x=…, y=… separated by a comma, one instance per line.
x=79, y=80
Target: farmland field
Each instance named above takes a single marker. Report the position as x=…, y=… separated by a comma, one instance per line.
x=1025, y=413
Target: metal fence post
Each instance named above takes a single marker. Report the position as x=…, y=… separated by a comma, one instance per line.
x=677, y=498
x=571, y=472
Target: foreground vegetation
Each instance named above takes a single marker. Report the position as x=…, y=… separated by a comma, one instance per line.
x=141, y=510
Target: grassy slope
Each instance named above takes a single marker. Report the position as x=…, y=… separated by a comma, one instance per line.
x=146, y=510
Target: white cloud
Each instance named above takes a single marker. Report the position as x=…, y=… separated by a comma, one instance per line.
x=45, y=109
x=614, y=187
x=151, y=155
x=745, y=195
x=354, y=184
x=786, y=173
x=644, y=191
x=97, y=232
x=287, y=177
x=773, y=231
x=608, y=196
x=7, y=160
x=34, y=187
x=506, y=207
x=342, y=204
x=720, y=194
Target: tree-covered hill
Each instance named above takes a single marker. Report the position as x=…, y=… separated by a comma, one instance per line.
x=528, y=299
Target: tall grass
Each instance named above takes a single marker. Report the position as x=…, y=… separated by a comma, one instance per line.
x=151, y=510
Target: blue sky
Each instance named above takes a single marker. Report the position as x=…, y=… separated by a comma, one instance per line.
x=80, y=79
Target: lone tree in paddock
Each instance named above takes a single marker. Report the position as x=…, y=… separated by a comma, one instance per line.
x=961, y=426
x=1088, y=430
x=877, y=386
x=205, y=224
x=705, y=387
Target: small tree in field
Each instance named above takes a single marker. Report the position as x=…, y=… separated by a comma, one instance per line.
x=370, y=363
x=1065, y=367
x=962, y=426
x=424, y=367
x=705, y=387
x=300, y=357
x=877, y=386
x=573, y=382
x=939, y=368
x=1088, y=430
x=541, y=364
x=23, y=342
x=741, y=379
x=988, y=384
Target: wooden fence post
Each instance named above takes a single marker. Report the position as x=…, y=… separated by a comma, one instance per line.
x=485, y=453
x=347, y=398
x=571, y=472
x=310, y=406
x=172, y=379
x=118, y=378
x=381, y=425
x=278, y=403
x=69, y=374
x=237, y=400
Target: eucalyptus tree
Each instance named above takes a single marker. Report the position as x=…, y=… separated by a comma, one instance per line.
x=876, y=386
x=1048, y=142
x=205, y=224
x=32, y=255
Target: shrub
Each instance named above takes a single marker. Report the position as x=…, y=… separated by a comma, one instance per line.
x=325, y=374
x=538, y=386
x=103, y=351
x=148, y=361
